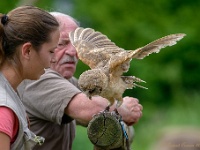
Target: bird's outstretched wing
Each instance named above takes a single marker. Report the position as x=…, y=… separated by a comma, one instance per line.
x=140, y=53
x=93, y=47
x=155, y=46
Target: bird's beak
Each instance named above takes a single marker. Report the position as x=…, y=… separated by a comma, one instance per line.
x=88, y=95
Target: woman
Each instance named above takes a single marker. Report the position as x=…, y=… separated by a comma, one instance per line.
x=28, y=37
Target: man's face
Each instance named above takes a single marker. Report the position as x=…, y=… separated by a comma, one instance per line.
x=65, y=54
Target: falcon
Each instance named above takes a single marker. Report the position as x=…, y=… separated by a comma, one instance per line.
x=108, y=62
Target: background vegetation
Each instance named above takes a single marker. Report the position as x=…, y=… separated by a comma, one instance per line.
x=172, y=76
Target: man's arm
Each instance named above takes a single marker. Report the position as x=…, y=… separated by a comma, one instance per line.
x=82, y=109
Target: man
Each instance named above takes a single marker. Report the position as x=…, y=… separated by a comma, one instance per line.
x=54, y=101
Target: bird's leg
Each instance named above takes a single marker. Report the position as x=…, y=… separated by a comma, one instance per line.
x=107, y=108
x=110, y=102
x=118, y=104
x=116, y=113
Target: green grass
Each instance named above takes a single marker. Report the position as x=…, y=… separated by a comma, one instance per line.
x=82, y=141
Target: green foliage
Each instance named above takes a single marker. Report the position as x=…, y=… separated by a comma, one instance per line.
x=132, y=24
x=11, y=4
x=172, y=76
x=7, y=6
x=47, y=5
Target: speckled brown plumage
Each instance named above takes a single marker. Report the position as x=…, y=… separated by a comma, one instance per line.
x=108, y=62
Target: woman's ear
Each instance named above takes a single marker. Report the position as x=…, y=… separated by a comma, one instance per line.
x=26, y=50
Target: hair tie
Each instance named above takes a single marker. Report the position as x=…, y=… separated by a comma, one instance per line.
x=4, y=19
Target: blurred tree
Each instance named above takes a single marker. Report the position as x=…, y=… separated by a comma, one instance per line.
x=7, y=6
x=10, y=4
x=27, y=2
x=172, y=73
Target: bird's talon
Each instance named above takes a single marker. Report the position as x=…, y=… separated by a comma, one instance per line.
x=107, y=109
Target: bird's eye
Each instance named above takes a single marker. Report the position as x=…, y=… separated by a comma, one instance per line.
x=91, y=91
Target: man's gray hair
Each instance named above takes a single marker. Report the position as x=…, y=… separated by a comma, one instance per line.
x=62, y=14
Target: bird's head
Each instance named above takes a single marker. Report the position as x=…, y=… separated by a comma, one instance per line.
x=93, y=82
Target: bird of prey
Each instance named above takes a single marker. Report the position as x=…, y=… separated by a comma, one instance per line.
x=108, y=62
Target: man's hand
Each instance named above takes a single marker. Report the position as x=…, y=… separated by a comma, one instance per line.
x=130, y=110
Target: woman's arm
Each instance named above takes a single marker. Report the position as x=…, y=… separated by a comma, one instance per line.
x=4, y=141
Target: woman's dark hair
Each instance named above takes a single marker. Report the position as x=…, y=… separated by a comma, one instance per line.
x=24, y=24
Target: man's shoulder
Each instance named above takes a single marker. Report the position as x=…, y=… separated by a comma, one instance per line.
x=51, y=73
